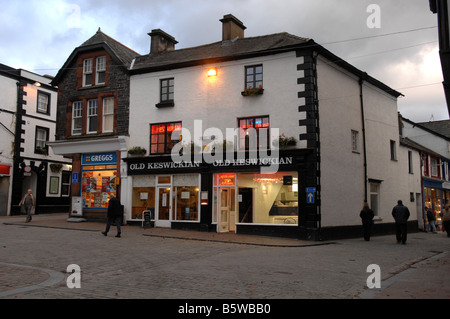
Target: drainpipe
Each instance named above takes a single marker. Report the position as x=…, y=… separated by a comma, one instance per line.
x=361, y=98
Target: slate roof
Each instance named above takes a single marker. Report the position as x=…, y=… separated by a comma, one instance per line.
x=441, y=127
x=100, y=40
x=225, y=51
x=242, y=48
x=122, y=52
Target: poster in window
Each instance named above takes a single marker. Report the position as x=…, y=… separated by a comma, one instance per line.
x=54, y=185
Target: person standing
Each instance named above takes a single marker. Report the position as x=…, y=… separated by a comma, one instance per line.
x=431, y=220
x=28, y=201
x=367, y=215
x=446, y=219
x=114, y=215
x=401, y=214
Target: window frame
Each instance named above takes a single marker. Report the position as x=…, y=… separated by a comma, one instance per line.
x=47, y=108
x=64, y=175
x=167, y=144
x=410, y=162
x=374, y=196
x=246, y=141
x=37, y=141
x=78, y=117
x=87, y=71
x=253, y=84
x=435, y=166
x=355, y=141
x=393, y=150
x=108, y=114
x=90, y=117
x=166, y=89
x=99, y=70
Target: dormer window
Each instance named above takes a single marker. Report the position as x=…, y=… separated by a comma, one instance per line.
x=100, y=70
x=87, y=72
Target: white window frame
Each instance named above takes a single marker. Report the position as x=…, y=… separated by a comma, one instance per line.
x=41, y=141
x=92, y=116
x=77, y=115
x=355, y=141
x=87, y=70
x=100, y=68
x=108, y=112
x=46, y=108
x=435, y=167
x=374, y=196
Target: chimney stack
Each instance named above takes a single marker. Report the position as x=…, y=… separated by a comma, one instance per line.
x=232, y=27
x=161, y=41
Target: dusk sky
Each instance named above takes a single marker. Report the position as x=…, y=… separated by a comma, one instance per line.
x=397, y=44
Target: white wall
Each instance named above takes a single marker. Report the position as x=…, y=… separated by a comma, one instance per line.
x=342, y=171
x=342, y=177
x=217, y=100
x=427, y=139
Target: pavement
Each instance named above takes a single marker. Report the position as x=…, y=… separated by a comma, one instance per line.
x=159, y=263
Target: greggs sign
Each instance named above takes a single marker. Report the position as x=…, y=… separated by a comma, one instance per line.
x=99, y=158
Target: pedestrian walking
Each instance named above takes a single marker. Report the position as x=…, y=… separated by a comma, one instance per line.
x=367, y=215
x=431, y=220
x=114, y=215
x=446, y=219
x=28, y=203
x=401, y=215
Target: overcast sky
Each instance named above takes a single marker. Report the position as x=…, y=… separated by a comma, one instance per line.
x=400, y=48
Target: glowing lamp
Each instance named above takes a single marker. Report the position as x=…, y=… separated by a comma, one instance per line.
x=212, y=72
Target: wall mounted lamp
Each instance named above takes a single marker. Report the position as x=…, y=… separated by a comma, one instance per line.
x=212, y=72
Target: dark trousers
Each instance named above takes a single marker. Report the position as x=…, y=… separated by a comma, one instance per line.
x=28, y=212
x=400, y=232
x=113, y=220
x=367, y=227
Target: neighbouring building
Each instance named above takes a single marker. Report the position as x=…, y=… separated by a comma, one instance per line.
x=432, y=141
x=27, y=123
x=338, y=128
x=93, y=113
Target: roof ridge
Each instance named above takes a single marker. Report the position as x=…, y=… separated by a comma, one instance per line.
x=99, y=31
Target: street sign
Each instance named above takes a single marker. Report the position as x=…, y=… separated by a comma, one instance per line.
x=74, y=177
x=310, y=195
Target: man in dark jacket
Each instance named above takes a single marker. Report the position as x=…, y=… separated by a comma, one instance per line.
x=114, y=215
x=401, y=215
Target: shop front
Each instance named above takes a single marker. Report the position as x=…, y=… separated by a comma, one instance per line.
x=99, y=180
x=222, y=196
x=436, y=195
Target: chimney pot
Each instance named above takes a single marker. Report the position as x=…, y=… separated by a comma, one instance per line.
x=232, y=27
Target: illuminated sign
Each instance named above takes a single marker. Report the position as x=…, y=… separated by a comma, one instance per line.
x=227, y=179
x=99, y=158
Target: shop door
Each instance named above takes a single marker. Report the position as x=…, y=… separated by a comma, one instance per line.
x=164, y=207
x=226, y=210
x=4, y=191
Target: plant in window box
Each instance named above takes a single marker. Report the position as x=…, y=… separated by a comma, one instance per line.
x=56, y=167
x=252, y=91
x=137, y=151
x=219, y=147
x=285, y=142
x=41, y=150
